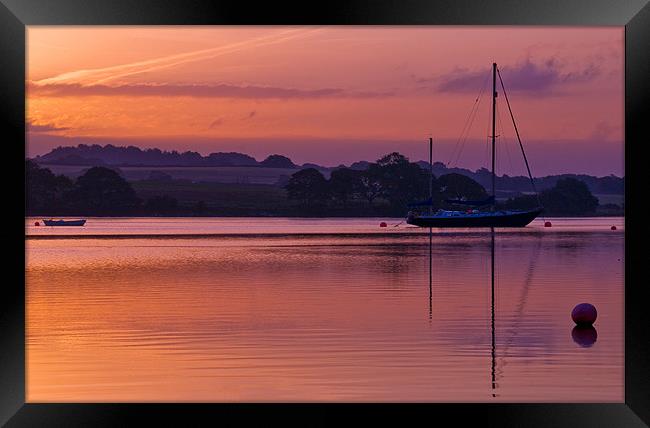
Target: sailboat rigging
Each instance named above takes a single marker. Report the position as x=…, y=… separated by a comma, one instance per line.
x=474, y=217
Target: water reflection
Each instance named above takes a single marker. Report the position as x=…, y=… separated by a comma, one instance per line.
x=584, y=336
x=492, y=312
x=494, y=379
x=327, y=318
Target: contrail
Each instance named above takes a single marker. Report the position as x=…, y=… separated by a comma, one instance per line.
x=106, y=74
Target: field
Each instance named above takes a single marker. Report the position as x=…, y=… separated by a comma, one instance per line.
x=610, y=199
x=224, y=196
x=217, y=174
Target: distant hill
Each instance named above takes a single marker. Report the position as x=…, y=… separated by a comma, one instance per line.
x=609, y=185
x=131, y=156
x=96, y=155
x=230, y=159
x=278, y=161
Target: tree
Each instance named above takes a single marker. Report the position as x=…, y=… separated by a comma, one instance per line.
x=344, y=183
x=101, y=190
x=401, y=181
x=45, y=192
x=370, y=181
x=523, y=202
x=458, y=186
x=569, y=196
x=308, y=186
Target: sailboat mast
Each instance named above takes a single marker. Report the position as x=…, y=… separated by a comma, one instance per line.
x=430, y=175
x=494, y=105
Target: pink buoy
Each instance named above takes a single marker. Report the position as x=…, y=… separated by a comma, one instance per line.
x=383, y=224
x=613, y=228
x=37, y=224
x=584, y=314
x=547, y=224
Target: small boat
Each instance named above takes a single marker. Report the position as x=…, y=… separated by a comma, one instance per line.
x=474, y=217
x=51, y=222
x=443, y=218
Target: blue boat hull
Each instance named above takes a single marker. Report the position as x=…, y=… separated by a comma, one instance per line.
x=513, y=219
x=64, y=222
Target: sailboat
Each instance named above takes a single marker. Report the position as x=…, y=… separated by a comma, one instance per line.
x=475, y=217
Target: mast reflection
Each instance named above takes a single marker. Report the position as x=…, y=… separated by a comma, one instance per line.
x=494, y=380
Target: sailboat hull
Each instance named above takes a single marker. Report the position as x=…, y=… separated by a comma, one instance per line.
x=498, y=219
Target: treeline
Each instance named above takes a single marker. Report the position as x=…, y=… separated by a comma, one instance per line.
x=100, y=191
x=385, y=188
x=110, y=155
x=569, y=197
x=393, y=182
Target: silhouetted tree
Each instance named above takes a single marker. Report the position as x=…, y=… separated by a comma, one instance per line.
x=344, y=184
x=102, y=191
x=371, y=184
x=523, y=202
x=458, y=186
x=401, y=181
x=45, y=192
x=569, y=196
x=308, y=186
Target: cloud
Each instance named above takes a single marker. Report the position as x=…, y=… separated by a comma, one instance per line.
x=192, y=90
x=45, y=127
x=102, y=75
x=524, y=77
x=606, y=131
x=215, y=123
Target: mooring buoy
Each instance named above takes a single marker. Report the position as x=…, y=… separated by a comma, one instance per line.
x=584, y=314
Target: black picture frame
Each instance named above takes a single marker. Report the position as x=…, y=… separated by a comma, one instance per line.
x=15, y=15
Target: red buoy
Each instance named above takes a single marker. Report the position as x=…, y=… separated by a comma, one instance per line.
x=383, y=224
x=547, y=224
x=37, y=224
x=613, y=227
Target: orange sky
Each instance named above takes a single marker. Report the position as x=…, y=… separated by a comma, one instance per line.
x=331, y=94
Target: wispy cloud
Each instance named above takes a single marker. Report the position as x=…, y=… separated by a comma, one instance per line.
x=606, y=131
x=44, y=127
x=216, y=123
x=523, y=77
x=193, y=90
x=103, y=75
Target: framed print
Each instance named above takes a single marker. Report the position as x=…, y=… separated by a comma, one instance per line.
x=238, y=211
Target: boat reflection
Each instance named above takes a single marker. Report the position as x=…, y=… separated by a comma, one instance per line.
x=583, y=336
x=494, y=379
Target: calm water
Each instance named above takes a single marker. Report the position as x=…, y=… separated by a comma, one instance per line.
x=322, y=310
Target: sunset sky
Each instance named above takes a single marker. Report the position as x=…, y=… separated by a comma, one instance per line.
x=332, y=95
